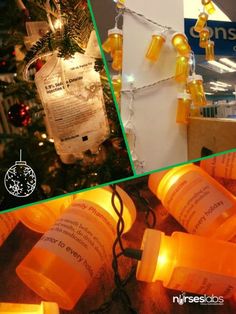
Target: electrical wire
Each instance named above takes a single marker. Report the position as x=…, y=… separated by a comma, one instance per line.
x=118, y=250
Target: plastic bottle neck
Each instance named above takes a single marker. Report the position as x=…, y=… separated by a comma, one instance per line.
x=170, y=178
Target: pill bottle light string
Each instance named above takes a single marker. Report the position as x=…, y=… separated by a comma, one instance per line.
x=118, y=250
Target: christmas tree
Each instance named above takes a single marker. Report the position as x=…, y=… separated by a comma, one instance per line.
x=64, y=28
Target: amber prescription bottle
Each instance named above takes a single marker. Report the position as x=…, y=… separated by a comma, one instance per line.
x=155, y=46
x=210, y=51
x=180, y=42
x=43, y=308
x=188, y=263
x=114, y=41
x=8, y=221
x=117, y=85
x=196, y=200
x=181, y=69
x=40, y=217
x=117, y=60
x=209, y=6
x=201, y=22
x=196, y=89
x=223, y=166
x=65, y=260
x=204, y=37
x=183, y=108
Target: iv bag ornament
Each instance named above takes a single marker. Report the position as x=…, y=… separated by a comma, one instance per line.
x=20, y=179
x=72, y=96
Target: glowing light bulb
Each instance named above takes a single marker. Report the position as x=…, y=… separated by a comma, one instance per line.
x=57, y=24
x=172, y=259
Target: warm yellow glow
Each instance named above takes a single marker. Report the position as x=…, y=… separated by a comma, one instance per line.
x=162, y=260
x=43, y=308
x=57, y=24
x=173, y=180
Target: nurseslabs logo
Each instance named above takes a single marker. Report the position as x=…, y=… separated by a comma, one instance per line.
x=202, y=300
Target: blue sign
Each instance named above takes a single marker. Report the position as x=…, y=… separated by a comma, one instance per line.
x=222, y=33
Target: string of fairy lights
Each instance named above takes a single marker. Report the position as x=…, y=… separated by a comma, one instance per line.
x=191, y=95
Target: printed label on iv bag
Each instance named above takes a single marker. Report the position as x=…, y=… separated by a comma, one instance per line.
x=7, y=223
x=83, y=237
x=72, y=97
x=196, y=203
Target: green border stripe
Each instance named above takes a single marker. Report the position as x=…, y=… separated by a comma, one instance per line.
x=111, y=85
x=120, y=180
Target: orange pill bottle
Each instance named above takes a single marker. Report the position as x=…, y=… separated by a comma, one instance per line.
x=196, y=200
x=155, y=47
x=180, y=43
x=209, y=6
x=117, y=85
x=189, y=263
x=210, y=50
x=183, y=108
x=182, y=69
x=73, y=251
x=204, y=37
x=40, y=217
x=8, y=222
x=223, y=166
x=196, y=89
x=201, y=22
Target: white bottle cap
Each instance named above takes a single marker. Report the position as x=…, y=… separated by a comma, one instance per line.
x=211, y=43
x=203, y=13
x=150, y=250
x=115, y=31
x=50, y=308
x=116, y=77
x=157, y=33
x=184, y=95
x=194, y=77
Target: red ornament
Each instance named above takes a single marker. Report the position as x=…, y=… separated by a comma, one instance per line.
x=18, y=115
x=38, y=64
x=83, y=4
